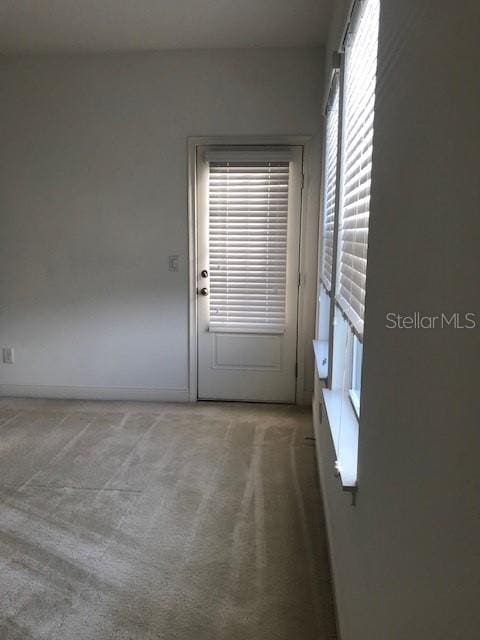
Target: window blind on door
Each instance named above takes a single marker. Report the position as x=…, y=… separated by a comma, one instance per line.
x=330, y=187
x=248, y=211
x=358, y=114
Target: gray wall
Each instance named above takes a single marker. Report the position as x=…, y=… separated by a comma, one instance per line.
x=406, y=558
x=93, y=198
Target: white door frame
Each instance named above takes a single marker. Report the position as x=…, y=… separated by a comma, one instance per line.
x=192, y=144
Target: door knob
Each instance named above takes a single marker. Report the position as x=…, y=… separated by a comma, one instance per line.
x=204, y=273
x=204, y=291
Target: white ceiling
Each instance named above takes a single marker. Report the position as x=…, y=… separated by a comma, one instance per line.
x=133, y=25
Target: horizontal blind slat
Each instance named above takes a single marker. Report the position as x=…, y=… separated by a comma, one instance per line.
x=358, y=114
x=330, y=187
x=248, y=208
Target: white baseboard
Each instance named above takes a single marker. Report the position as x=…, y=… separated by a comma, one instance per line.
x=73, y=392
x=317, y=425
x=93, y=393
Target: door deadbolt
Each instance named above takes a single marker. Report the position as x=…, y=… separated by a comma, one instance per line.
x=204, y=273
x=204, y=291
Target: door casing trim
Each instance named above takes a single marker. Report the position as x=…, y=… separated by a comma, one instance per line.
x=192, y=144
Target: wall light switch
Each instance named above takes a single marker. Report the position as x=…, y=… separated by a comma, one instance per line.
x=173, y=263
x=8, y=355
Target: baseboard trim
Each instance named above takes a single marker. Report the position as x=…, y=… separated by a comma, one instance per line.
x=326, y=508
x=93, y=393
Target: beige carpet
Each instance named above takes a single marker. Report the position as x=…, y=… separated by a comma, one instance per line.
x=131, y=521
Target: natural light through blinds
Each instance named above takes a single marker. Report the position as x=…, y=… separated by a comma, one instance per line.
x=359, y=103
x=248, y=211
x=330, y=186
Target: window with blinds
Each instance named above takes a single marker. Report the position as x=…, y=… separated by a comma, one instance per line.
x=330, y=186
x=248, y=211
x=358, y=113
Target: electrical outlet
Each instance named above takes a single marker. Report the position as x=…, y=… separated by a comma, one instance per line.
x=8, y=355
x=173, y=263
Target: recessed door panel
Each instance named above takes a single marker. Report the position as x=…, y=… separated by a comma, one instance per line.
x=247, y=352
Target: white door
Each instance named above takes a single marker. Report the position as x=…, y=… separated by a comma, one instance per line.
x=249, y=203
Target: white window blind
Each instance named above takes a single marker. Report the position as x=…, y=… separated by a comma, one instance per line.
x=248, y=210
x=359, y=103
x=330, y=186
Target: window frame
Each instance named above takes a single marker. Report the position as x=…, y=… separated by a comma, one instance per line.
x=323, y=344
x=356, y=374
x=342, y=389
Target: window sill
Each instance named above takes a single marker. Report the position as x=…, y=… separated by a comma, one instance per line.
x=343, y=425
x=320, y=348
